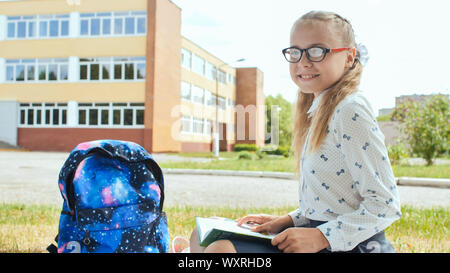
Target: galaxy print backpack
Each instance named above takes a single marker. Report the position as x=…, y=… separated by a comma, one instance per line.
x=113, y=195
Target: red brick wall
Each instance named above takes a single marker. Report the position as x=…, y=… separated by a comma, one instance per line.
x=65, y=139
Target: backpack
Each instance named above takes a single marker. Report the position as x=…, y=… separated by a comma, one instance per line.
x=113, y=194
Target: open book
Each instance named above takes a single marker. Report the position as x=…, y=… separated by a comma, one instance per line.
x=213, y=229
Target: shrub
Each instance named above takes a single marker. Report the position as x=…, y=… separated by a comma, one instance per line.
x=279, y=150
x=260, y=154
x=245, y=147
x=245, y=155
x=397, y=153
x=426, y=125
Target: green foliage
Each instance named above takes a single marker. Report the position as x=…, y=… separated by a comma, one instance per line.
x=426, y=125
x=245, y=147
x=285, y=119
x=260, y=154
x=278, y=150
x=397, y=152
x=245, y=155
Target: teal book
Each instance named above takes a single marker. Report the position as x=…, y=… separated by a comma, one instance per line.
x=213, y=229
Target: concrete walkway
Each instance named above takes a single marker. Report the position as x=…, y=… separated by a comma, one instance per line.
x=31, y=177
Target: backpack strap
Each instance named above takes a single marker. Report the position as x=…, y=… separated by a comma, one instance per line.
x=52, y=248
x=157, y=173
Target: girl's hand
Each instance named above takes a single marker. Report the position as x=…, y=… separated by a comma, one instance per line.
x=267, y=223
x=300, y=240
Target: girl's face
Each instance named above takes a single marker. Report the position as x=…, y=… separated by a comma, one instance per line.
x=329, y=70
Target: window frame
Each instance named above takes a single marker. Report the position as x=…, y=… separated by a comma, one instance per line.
x=60, y=63
x=111, y=63
x=37, y=22
x=111, y=107
x=43, y=107
x=112, y=18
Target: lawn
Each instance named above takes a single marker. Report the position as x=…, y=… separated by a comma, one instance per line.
x=230, y=161
x=31, y=228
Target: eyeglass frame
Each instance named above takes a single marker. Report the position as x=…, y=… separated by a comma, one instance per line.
x=326, y=50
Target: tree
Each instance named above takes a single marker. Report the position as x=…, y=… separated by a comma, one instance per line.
x=426, y=126
x=285, y=119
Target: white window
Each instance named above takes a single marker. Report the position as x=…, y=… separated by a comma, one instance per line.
x=186, y=57
x=231, y=79
x=212, y=100
x=208, y=99
x=185, y=91
x=113, y=23
x=37, y=70
x=198, y=65
x=208, y=127
x=197, y=126
x=210, y=71
x=198, y=95
x=230, y=102
x=222, y=77
x=186, y=124
x=38, y=26
x=111, y=68
x=231, y=128
x=222, y=103
x=42, y=114
x=114, y=115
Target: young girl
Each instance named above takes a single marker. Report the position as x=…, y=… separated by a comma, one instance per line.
x=347, y=191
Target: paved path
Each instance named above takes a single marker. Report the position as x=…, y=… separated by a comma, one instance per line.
x=27, y=177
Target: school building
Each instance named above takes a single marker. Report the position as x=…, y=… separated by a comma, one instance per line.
x=75, y=70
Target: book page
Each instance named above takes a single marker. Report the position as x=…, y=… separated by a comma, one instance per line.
x=205, y=225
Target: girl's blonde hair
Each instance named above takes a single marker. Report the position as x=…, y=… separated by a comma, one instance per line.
x=347, y=85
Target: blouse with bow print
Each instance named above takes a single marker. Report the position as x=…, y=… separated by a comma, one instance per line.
x=349, y=181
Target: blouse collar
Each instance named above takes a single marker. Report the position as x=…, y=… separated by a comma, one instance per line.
x=316, y=103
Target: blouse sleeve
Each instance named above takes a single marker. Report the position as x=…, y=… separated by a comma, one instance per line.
x=298, y=219
x=365, y=157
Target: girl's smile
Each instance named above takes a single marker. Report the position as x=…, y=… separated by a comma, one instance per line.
x=308, y=77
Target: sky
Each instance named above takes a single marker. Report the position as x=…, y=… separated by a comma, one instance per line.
x=407, y=41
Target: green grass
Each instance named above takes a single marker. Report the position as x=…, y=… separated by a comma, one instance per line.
x=282, y=164
x=433, y=171
x=31, y=228
x=266, y=164
x=229, y=155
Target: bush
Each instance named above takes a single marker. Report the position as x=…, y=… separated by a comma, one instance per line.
x=426, y=125
x=260, y=154
x=245, y=147
x=278, y=150
x=397, y=153
x=245, y=155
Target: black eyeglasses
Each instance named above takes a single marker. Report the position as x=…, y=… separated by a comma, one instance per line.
x=315, y=54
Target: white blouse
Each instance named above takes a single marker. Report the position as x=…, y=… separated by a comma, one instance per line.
x=349, y=181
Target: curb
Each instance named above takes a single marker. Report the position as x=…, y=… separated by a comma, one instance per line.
x=403, y=181
x=424, y=182
x=279, y=175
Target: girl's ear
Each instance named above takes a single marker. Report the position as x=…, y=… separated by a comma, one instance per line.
x=351, y=55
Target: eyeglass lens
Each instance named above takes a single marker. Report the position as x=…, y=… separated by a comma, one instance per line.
x=314, y=54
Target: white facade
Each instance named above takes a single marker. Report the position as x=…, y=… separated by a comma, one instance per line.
x=8, y=122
